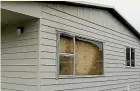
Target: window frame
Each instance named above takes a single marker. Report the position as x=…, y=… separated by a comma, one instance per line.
x=74, y=65
x=130, y=58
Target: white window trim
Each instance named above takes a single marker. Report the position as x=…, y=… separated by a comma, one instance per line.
x=58, y=54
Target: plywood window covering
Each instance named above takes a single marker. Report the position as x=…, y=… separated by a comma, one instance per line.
x=130, y=57
x=66, y=57
x=79, y=56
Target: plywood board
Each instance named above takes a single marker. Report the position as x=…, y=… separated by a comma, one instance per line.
x=66, y=65
x=66, y=44
x=87, y=59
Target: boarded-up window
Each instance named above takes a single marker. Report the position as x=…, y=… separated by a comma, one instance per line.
x=80, y=56
x=88, y=58
x=66, y=44
x=66, y=65
x=130, y=57
x=66, y=55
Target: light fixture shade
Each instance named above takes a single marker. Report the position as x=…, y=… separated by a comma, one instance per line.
x=20, y=30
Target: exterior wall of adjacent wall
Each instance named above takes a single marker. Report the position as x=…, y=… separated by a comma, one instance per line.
x=19, y=57
x=81, y=22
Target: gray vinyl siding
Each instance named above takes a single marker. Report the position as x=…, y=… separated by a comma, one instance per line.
x=81, y=22
x=19, y=57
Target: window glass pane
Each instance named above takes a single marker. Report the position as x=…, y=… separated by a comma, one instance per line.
x=66, y=65
x=132, y=57
x=66, y=44
x=133, y=63
x=89, y=60
x=128, y=56
x=132, y=54
x=128, y=62
x=127, y=53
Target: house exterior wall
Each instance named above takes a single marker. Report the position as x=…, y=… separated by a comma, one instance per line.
x=81, y=22
x=19, y=57
x=33, y=74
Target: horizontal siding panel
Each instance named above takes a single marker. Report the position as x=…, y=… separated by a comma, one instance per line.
x=16, y=87
x=19, y=62
x=104, y=85
x=48, y=35
x=20, y=43
x=48, y=68
x=136, y=89
x=109, y=52
x=48, y=29
x=114, y=57
x=47, y=48
x=122, y=74
x=114, y=44
x=114, y=61
x=89, y=88
x=135, y=86
x=5, y=89
x=117, y=69
x=47, y=42
x=19, y=81
x=114, y=65
x=48, y=55
x=47, y=75
x=19, y=74
x=47, y=61
x=19, y=68
x=112, y=88
x=19, y=49
x=20, y=55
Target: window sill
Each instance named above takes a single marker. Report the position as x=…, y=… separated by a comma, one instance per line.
x=84, y=76
x=130, y=67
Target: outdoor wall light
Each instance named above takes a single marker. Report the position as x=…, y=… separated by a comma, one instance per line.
x=20, y=30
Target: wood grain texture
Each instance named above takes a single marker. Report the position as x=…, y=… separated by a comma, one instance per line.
x=88, y=59
x=66, y=44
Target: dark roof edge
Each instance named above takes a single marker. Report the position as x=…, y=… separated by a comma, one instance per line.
x=125, y=22
x=111, y=9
